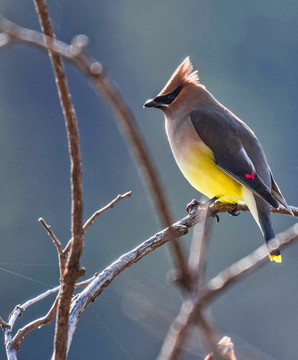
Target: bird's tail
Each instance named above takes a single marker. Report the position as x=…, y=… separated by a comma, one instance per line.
x=260, y=211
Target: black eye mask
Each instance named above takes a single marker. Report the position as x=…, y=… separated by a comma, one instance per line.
x=168, y=98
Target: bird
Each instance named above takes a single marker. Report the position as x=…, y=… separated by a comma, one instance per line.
x=218, y=153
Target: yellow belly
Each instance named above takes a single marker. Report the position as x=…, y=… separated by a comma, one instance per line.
x=198, y=166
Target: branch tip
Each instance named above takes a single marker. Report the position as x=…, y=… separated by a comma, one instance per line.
x=78, y=44
x=96, y=69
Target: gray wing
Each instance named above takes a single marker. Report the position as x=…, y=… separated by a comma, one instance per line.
x=236, y=149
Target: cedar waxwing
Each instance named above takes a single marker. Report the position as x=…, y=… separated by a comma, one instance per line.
x=217, y=152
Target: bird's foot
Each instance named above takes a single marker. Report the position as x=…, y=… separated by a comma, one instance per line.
x=234, y=212
x=193, y=205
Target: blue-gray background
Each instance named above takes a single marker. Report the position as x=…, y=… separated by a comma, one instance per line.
x=246, y=54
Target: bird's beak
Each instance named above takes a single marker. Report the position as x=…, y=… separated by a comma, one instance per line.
x=151, y=103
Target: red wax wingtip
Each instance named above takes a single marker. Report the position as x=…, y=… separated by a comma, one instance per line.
x=250, y=176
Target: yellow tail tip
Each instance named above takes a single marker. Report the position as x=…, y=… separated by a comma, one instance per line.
x=276, y=258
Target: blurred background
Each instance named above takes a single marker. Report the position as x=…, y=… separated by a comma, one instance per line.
x=246, y=54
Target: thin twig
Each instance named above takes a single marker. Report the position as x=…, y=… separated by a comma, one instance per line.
x=36, y=324
x=91, y=220
x=57, y=243
x=97, y=213
x=72, y=271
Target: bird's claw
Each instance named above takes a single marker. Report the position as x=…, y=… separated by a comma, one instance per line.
x=217, y=218
x=235, y=211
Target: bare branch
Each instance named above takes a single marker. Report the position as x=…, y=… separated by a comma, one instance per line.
x=91, y=220
x=72, y=271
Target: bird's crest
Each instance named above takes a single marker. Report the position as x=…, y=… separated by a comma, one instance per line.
x=183, y=75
